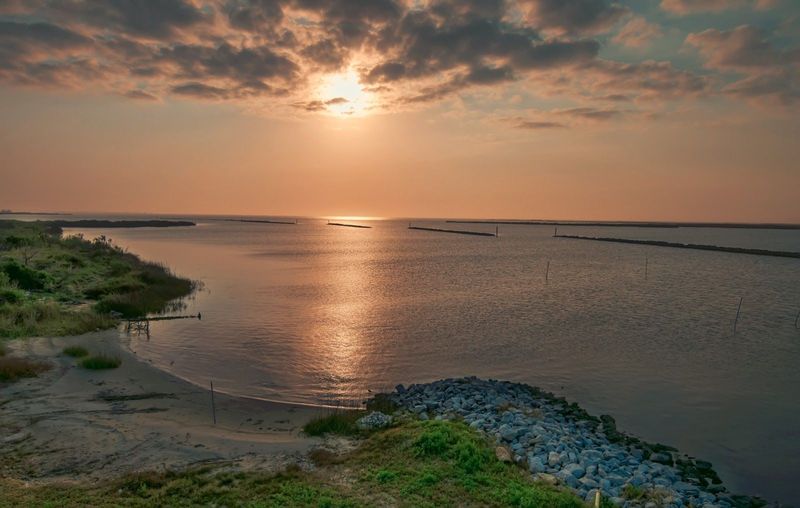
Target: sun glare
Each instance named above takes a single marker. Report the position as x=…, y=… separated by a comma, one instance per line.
x=343, y=95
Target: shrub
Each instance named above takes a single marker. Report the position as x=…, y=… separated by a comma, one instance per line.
x=385, y=476
x=100, y=362
x=342, y=422
x=13, y=368
x=75, y=351
x=25, y=277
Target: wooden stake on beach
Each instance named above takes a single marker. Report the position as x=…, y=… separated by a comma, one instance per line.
x=547, y=272
x=737, y=315
x=213, y=407
x=645, y=268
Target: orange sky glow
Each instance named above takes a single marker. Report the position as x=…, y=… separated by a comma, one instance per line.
x=647, y=110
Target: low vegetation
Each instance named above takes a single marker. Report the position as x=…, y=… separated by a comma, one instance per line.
x=411, y=464
x=75, y=351
x=13, y=368
x=100, y=362
x=341, y=422
x=51, y=285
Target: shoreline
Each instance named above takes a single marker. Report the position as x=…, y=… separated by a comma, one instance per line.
x=71, y=424
x=75, y=425
x=560, y=443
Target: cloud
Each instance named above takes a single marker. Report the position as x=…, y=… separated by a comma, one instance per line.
x=766, y=72
x=742, y=48
x=147, y=18
x=684, y=7
x=534, y=125
x=319, y=105
x=200, y=91
x=637, y=33
x=574, y=16
x=278, y=52
x=140, y=95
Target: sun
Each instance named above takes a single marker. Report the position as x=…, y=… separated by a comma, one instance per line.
x=343, y=95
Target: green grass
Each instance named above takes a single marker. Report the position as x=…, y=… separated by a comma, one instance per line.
x=341, y=422
x=75, y=351
x=52, y=286
x=414, y=464
x=100, y=362
x=14, y=368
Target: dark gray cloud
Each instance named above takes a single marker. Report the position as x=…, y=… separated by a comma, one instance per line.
x=148, y=18
x=254, y=15
x=326, y=54
x=534, y=125
x=405, y=51
x=575, y=16
x=200, y=91
x=140, y=95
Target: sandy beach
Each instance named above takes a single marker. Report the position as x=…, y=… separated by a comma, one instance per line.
x=76, y=424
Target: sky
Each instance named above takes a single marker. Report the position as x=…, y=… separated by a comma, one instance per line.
x=552, y=109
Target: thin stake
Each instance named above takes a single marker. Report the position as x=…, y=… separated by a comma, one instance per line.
x=797, y=318
x=547, y=272
x=555, y=232
x=737, y=315
x=213, y=407
x=645, y=268
x=596, y=499
x=497, y=231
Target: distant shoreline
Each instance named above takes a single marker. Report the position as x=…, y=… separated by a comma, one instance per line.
x=625, y=224
x=92, y=223
x=12, y=212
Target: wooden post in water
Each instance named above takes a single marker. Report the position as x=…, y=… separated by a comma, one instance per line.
x=213, y=407
x=645, y=268
x=497, y=231
x=797, y=318
x=555, y=232
x=547, y=272
x=737, y=315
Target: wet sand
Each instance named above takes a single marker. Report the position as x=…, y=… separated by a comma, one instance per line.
x=76, y=424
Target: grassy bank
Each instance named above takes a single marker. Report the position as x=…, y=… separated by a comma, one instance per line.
x=52, y=285
x=412, y=464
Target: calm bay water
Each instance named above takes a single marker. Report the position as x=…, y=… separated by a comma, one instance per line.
x=318, y=314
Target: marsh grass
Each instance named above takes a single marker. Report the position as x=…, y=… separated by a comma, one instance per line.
x=339, y=421
x=412, y=464
x=75, y=351
x=14, y=368
x=46, y=282
x=100, y=362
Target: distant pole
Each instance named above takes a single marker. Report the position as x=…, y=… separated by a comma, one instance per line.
x=645, y=268
x=497, y=231
x=797, y=318
x=555, y=232
x=213, y=407
x=547, y=272
x=737, y=315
